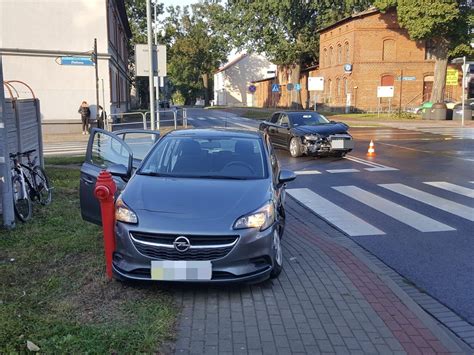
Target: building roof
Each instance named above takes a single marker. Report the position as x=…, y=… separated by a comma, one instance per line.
x=232, y=62
x=371, y=10
x=123, y=17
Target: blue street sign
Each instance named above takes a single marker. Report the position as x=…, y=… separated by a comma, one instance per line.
x=275, y=88
x=289, y=86
x=297, y=87
x=77, y=61
x=252, y=88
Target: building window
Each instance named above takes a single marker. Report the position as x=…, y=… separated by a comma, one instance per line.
x=388, y=53
x=329, y=90
x=325, y=57
x=339, y=54
x=429, y=49
x=346, y=89
x=387, y=80
x=330, y=56
x=346, y=50
x=338, y=87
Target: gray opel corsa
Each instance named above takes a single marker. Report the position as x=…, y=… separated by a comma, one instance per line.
x=203, y=206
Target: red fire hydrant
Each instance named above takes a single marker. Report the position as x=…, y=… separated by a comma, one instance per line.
x=104, y=191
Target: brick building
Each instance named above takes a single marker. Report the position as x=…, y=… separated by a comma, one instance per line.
x=360, y=53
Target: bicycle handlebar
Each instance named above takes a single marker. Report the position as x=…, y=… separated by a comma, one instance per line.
x=24, y=154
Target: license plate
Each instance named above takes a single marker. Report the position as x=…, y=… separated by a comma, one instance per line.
x=342, y=144
x=176, y=270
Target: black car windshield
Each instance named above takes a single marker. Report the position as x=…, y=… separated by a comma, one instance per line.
x=308, y=119
x=207, y=158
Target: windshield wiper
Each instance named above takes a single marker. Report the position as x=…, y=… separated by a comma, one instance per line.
x=150, y=173
x=222, y=177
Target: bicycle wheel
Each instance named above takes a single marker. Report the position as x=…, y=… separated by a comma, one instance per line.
x=21, y=201
x=44, y=191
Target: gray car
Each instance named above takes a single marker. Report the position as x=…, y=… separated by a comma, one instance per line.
x=203, y=206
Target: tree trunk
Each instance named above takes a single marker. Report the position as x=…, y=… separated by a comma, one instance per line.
x=295, y=79
x=441, y=64
x=205, y=81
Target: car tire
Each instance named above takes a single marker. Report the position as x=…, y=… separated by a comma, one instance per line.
x=278, y=254
x=340, y=154
x=295, y=147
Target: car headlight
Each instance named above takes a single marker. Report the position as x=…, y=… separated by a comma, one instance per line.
x=261, y=219
x=123, y=213
x=312, y=137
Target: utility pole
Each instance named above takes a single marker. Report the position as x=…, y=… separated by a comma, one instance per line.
x=155, y=3
x=96, y=61
x=150, y=68
x=5, y=174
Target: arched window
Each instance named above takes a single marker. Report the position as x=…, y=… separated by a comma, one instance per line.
x=346, y=50
x=330, y=56
x=338, y=87
x=346, y=89
x=389, y=50
x=339, y=54
x=387, y=80
x=325, y=58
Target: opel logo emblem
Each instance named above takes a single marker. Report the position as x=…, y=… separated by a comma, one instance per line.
x=181, y=244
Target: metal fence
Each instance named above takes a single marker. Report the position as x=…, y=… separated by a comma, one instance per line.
x=141, y=120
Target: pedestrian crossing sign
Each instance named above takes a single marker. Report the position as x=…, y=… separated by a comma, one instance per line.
x=275, y=88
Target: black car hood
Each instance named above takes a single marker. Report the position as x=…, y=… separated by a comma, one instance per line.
x=323, y=130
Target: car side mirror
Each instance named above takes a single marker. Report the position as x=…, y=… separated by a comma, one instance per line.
x=119, y=170
x=286, y=176
x=332, y=122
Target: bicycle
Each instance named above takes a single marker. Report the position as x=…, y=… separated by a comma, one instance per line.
x=30, y=183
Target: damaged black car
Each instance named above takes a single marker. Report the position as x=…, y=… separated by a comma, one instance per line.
x=308, y=133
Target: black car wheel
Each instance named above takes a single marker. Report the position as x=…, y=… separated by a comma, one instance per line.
x=295, y=147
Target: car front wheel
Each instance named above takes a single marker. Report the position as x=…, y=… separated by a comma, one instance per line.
x=295, y=147
x=277, y=255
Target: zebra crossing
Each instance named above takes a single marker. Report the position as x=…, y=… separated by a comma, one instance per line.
x=368, y=166
x=352, y=224
x=231, y=121
x=65, y=148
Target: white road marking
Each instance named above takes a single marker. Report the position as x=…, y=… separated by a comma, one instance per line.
x=337, y=216
x=461, y=190
x=307, y=172
x=243, y=125
x=373, y=166
x=201, y=118
x=432, y=200
x=336, y=171
x=400, y=213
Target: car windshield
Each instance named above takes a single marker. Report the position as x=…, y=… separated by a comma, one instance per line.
x=308, y=119
x=211, y=158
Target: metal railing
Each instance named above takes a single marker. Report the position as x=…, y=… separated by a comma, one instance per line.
x=127, y=119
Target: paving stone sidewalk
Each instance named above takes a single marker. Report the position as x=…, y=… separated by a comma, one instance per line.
x=330, y=298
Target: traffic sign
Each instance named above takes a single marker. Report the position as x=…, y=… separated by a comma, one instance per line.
x=252, y=88
x=289, y=86
x=297, y=87
x=275, y=88
x=452, y=76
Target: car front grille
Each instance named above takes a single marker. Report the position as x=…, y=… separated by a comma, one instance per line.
x=160, y=246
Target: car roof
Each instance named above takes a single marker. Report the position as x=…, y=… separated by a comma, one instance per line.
x=297, y=112
x=206, y=132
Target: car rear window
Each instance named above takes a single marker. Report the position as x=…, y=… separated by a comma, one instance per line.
x=201, y=157
x=308, y=119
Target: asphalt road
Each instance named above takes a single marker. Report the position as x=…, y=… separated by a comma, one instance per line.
x=412, y=205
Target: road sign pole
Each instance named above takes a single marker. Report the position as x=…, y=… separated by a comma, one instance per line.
x=96, y=81
x=5, y=175
x=150, y=65
x=463, y=88
x=155, y=4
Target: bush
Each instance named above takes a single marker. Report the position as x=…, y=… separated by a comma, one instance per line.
x=178, y=98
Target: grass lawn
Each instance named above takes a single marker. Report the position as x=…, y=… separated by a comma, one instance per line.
x=54, y=292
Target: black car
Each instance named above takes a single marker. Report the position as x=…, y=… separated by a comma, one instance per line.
x=309, y=133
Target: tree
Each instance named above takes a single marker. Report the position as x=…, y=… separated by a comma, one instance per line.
x=196, y=47
x=284, y=30
x=446, y=23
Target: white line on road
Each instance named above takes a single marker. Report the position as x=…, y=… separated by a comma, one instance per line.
x=337, y=216
x=307, y=172
x=201, y=118
x=373, y=166
x=336, y=171
x=244, y=125
x=432, y=200
x=400, y=213
x=461, y=190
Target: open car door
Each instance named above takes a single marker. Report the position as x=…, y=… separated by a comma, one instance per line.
x=122, y=150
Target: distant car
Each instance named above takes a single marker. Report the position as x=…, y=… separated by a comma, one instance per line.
x=202, y=206
x=427, y=104
x=308, y=133
x=164, y=104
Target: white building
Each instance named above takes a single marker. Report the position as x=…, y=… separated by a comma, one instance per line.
x=232, y=80
x=35, y=35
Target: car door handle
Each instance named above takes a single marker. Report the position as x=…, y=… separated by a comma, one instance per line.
x=88, y=180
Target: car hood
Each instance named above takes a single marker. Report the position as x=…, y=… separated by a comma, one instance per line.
x=323, y=130
x=183, y=202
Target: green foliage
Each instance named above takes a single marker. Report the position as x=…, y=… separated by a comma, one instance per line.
x=285, y=30
x=178, y=98
x=196, y=47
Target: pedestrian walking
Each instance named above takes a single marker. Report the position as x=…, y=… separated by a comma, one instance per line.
x=102, y=118
x=85, y=112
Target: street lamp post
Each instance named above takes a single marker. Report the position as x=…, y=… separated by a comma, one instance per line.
x=155, y=4
x=150, y=68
